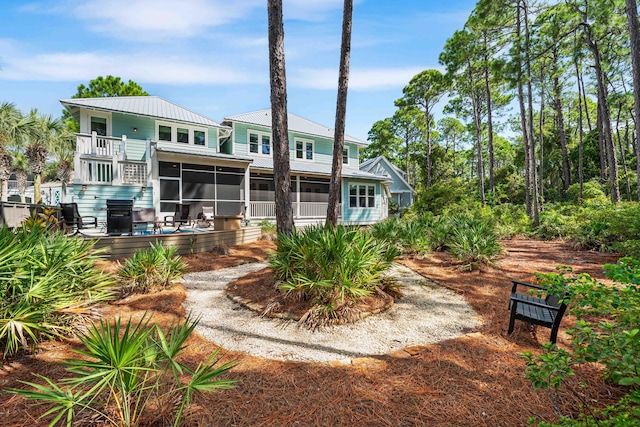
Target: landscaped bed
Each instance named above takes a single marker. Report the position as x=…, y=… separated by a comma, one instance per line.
x=474, y=380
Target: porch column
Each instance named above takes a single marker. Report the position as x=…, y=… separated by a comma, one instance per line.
x=297, y=213
x=247, y=193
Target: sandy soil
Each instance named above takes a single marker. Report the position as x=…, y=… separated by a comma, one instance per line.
x=473, y=380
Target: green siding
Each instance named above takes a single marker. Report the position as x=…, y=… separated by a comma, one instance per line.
x=123, y=124
x=213, y=139
x=93, y=201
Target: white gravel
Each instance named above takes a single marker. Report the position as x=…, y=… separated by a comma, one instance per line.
x=425, y=314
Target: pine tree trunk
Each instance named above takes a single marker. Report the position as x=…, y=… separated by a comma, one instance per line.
x=476, y=118
x=566, y=171
x=335, y=186
x=532, y=145
x=279, y=122
x=634, y=34
x=541, y=149
x=492, y=186
x=580, y=133
x=523, y=118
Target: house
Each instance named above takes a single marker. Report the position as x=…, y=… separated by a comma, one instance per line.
x=400, y=190
x=156, y=153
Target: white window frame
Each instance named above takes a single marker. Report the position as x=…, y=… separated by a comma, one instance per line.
x=87, y=121
x=174, y=133
x=366, y=186
x=345, y=155
x=260, y=135
x=304, y=149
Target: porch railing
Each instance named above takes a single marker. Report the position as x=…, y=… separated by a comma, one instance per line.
x=304, y=210
x=101, y=146
x=96, y=171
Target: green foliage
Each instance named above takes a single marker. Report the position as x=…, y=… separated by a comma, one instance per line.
x=409, y=235
x=473, y=242
x=441, y=196
x=125, y=373
x=47, y=280
x=591, y=190
x=333, y=266
x=267, y=227
x=152, y=268
x=606, y=332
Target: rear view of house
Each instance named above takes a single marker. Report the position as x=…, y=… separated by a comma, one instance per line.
x=158, y=154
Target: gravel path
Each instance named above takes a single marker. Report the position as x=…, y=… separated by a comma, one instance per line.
x=425, y=314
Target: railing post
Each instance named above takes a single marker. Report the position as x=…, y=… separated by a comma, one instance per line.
x=94, y=142
x=147, y=158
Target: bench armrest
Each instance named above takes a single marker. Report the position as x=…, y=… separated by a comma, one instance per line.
x=529, y=285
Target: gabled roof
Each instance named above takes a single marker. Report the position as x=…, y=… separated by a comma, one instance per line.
x=369, y=166
x=296, y=124
x=149, y=106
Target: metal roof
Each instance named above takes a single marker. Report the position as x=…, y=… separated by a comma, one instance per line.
x=202, y=152
x=296, y=124
x=315, y=169
x=150, y=106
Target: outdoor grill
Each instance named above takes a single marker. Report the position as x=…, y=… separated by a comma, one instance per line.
x=119, y=217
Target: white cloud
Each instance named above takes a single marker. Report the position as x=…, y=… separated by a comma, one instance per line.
x=19, y=65
x=159, y=20
x=359, y=79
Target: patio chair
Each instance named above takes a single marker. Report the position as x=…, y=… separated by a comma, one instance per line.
x=205, y=218
x=180, y=216
x=546, y=312
x=71, y=218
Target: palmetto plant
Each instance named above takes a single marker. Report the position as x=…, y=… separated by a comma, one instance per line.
x=473, y=242
x=155, y=267
x=126, y=370
x=332, y=266
x=47, y=280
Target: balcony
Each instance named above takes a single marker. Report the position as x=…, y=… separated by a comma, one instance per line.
x=105, y=160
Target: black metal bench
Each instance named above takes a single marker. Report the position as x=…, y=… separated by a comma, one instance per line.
x=546, y=312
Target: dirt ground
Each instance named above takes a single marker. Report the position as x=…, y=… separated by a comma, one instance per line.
x=475, y=380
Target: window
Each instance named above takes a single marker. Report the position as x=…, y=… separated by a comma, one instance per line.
x=266, y=144
x=362, y=196
x=164, y=133
x=345, y=155
x=198, y=137
x=99, y=126
x=253, y=143
x=304, y=149
x=183, y=135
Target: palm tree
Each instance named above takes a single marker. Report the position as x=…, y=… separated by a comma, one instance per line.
x=62, y=151
x=20, y=167
x=41, y=136
x=14, y=128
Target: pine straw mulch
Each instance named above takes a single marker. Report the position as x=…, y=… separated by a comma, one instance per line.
x=474, y=380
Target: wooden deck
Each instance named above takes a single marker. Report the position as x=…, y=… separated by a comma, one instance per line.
x=186, y=242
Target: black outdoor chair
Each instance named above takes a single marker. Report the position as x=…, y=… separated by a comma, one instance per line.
x=180, y=216
x=546, y=312
x=71, y=218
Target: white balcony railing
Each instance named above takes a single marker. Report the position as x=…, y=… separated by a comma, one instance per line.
x=300, y=209
x=101, y=146
x=96, y=171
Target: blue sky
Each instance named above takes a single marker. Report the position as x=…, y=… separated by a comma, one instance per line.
x=211, y=56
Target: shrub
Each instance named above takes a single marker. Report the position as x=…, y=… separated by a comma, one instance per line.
x=129, y=373
x=606, y=332
x=268, y=229
x=47, y=280
x=591, y=191
x=409, y=235
x=153, y=268
x=473, y=242
x=333, y=266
